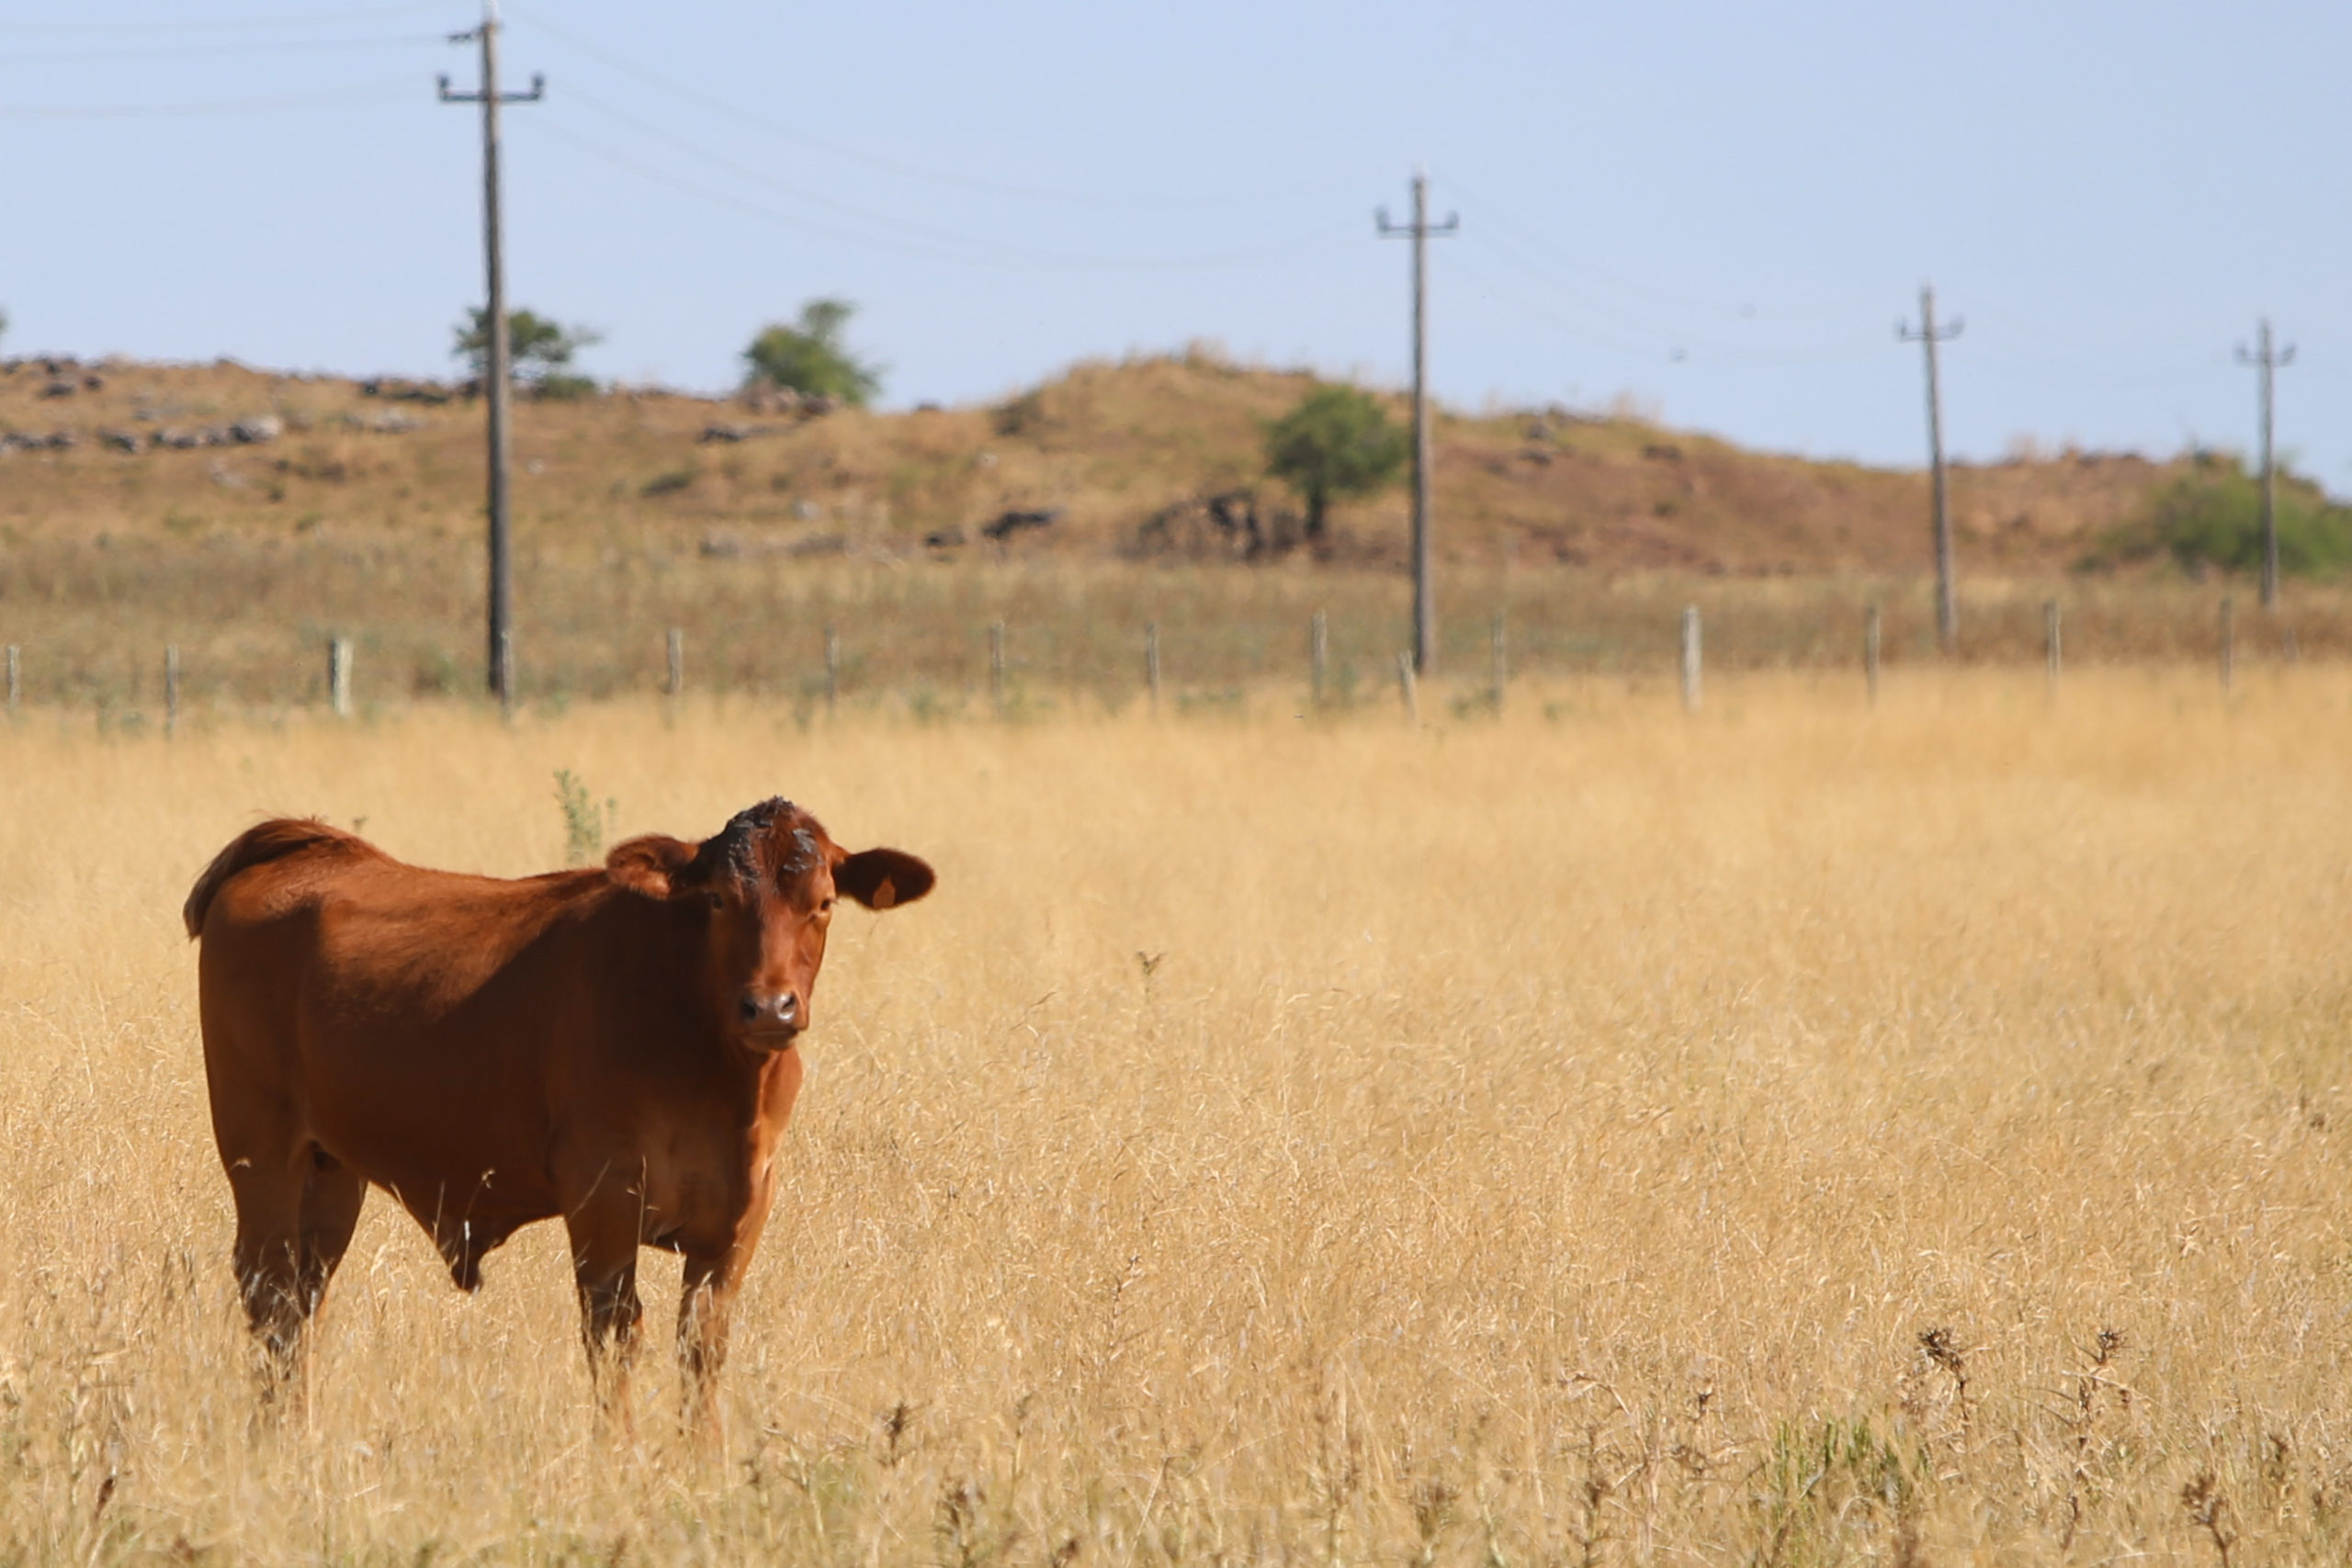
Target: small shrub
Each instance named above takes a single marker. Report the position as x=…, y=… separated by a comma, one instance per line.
x=1229, y=702
x=2212, y=519
x=1822, y=1487
x=436, y=674
x=928, y=704
x=564, y=387
x=585, y=823
x=1019, y=416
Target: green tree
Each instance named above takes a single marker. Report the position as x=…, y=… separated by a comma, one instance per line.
x=539, y=350
x=810, y=358
x=1336, y=444
x=2213, y=517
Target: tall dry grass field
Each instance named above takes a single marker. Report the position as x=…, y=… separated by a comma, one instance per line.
x=1793, y=1135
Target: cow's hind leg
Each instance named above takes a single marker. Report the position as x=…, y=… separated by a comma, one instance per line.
x=268, y=1259
x=332, y=1196
x=295, y=1218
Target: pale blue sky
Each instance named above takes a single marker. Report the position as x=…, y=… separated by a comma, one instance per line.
x=1719, y=209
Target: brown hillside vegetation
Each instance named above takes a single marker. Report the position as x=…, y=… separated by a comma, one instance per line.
x=244, y=518
x=1107, y=447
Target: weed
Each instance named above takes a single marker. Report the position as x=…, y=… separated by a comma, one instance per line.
x=897, y=1422
x=2209, y=1510
x=2087, y=1384
x=585, y=824
x=1838, y=1479
x=1943, y=1351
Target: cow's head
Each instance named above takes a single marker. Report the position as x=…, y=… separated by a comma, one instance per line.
x=762, y=890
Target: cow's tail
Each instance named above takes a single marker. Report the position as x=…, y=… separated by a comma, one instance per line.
x=254, y=846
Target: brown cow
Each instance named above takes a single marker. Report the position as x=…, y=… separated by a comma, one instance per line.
x=612, y=1046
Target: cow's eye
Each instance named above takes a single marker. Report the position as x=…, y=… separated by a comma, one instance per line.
x=825, y=907
x=716, y=901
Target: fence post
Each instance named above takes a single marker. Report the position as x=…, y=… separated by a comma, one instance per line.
x=171, y=690
x=832, y=669
x=2049, y=644
x=996, y=665
x=1691, y=657
x=1318, y=651
x=1408, y=689
x=16, y=678
x=339, y=675
x=1870, y=651
x=2286, y=645
x=1502, y=666
x=1151, y=662
x=506, y=694
x=676, y=684
x=2228, y=641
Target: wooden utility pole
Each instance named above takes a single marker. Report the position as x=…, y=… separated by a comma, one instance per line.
x=1947, y=601
x=495, y=375
x=2266, y=360
x=1424, y=589
x=1690, y=656
x=1870, y=651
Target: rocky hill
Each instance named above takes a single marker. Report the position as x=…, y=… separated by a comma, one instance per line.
x=1147, y=457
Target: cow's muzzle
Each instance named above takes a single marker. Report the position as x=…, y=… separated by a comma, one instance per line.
x=771, y=1018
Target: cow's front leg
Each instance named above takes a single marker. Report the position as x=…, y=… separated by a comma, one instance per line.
x=706, y=1299
x=705, y=1302
x=604, y=1266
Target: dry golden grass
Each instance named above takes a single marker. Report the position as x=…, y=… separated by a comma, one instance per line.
x=252, y=622
x=1611, y=1138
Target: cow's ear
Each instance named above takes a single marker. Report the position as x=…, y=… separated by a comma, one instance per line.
x=883, y=879
x=654, y=865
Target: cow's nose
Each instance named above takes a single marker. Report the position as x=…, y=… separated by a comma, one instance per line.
x=774, y=1009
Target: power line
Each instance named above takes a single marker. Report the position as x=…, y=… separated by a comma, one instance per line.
x=1573, y=331
x=229, y=106
x=847, y=209
x=315, y=18
x=1673, y=342
x=976, y=252
x=898, y=166
x=758, y=209
x=210, y=50
x=1841, y=306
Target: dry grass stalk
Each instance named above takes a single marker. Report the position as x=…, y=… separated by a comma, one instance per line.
x=2087, y=1384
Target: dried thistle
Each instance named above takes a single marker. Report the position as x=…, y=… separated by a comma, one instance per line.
x=1433, y=1501
x=895, y=1423
x=1943, y=1351
x=1593, y=1531
x=2087, y=1386
x=2209, y=1510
